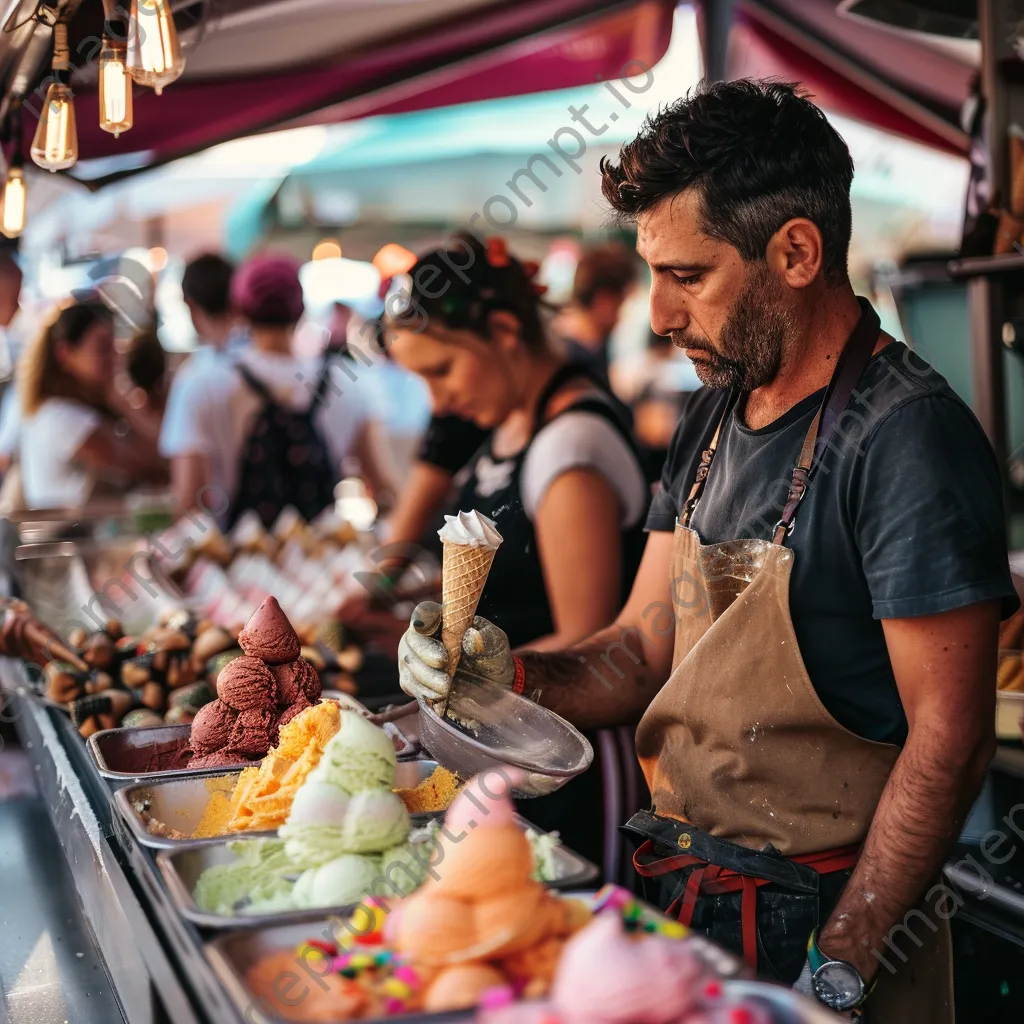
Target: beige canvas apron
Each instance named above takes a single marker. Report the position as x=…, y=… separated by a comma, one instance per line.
x=738, y=743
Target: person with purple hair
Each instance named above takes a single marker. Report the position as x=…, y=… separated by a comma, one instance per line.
x=218, y=465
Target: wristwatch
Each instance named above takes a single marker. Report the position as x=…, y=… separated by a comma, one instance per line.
x=836, y=983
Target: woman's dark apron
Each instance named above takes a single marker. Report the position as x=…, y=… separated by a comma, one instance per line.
x=588, y=810
x=762, y=799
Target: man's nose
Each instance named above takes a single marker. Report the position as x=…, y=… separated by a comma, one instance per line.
x=668, y=310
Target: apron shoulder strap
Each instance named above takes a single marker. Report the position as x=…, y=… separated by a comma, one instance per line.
x=853, y=360
x=706, y=457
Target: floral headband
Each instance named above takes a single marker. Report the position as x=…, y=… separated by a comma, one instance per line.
x=397, y=290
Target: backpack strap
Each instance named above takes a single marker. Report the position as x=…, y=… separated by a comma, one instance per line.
x=323, y=378
x=255, y=384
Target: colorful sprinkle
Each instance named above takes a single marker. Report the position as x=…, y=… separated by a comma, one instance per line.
x=313, y=947
x=396, y=988
x=740, y=1015
x=408, y=975
x=393, y=1006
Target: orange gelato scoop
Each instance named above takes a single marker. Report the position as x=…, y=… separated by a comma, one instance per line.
x=263, y=800
x=489, y=861
x=460, y=988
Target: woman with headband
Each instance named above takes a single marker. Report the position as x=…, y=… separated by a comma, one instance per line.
x=560, y=475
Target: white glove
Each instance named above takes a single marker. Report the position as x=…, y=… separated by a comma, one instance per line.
x=422, y=658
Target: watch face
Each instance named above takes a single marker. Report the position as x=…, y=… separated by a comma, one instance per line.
x=838, y=985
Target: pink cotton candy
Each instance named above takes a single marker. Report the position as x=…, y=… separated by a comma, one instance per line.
x=484, y=801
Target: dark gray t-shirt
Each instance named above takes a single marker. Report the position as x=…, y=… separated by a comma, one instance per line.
x=903, y=517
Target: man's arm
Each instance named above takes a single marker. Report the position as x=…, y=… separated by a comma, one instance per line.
x=611, y=677
x=945, y=669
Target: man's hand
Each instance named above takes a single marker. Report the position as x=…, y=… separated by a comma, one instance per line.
x=423, y=659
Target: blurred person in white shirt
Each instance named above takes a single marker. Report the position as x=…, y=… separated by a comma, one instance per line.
x=208, y=435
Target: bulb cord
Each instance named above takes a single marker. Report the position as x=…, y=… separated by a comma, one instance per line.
x=61, y=53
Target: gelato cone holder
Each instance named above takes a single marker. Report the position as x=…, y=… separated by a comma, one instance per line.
x=489, y=728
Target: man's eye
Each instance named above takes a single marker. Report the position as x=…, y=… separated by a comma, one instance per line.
x=688, y=278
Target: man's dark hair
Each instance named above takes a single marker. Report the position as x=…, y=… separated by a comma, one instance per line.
x=604, y=268
x=757, y=152
x=207, y=283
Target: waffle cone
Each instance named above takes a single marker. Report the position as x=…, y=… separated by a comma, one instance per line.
x=464, y=572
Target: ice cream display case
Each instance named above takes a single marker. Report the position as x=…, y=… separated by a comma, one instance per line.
x=299, y=814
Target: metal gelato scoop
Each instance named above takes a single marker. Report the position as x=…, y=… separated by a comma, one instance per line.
x=488, y=727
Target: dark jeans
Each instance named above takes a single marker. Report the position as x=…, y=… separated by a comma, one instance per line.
x=785, y=919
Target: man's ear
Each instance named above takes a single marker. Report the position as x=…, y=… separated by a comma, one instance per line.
x=504, y=329
x=795, y=252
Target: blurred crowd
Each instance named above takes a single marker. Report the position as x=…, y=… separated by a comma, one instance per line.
x=89, y=414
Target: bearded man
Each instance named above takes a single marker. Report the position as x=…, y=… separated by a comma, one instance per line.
x=811, y=638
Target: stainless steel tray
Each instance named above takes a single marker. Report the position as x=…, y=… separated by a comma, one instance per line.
x=110, y=747
x=181, y=870
x=232, y=955
x=177, y=802
x=180, y=802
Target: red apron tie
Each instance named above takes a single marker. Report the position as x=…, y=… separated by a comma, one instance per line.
x=711, y=880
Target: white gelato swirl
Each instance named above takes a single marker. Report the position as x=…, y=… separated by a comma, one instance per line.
x=470, y=529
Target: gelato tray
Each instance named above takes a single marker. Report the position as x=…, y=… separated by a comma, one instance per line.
x=181, y=870
x=123, y=755
x=165, y=813
x=177, y=804
x=234, y=955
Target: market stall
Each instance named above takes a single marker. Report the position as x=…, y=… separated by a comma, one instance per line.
x=229, y=777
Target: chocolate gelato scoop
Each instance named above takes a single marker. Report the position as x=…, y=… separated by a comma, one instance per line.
x=296, y=677
x=296, y=707
x=218, y=759
x=268, y=635
x=246, y=684
x=251, y=733
x=211, y=728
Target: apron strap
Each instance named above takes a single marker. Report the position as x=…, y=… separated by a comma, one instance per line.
x=853, y=361
x=704, y=468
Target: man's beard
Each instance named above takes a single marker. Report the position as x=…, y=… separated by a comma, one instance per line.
x=749, y=351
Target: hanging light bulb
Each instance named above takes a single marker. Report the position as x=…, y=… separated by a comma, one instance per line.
x=13, y=197
x=115, y=83
x=154, y=53
x=55, y=144
x=12, y=204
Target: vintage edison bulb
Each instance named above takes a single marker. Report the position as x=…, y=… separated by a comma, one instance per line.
x=115, y=91
x=55, y=144
x=154, y=53
x=12, y=206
